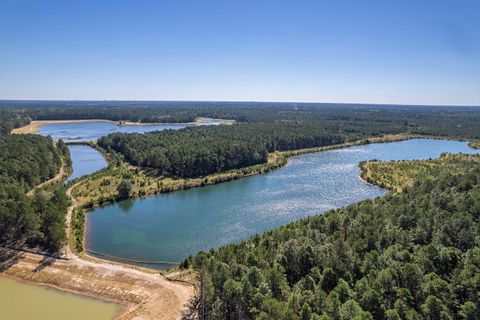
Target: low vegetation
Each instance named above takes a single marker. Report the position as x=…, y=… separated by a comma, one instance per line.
x=26, y=161
x=412, y=254
x=399, y=175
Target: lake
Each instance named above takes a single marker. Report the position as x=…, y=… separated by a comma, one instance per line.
x=89, y=131
x=169, y=227
x=85, y=160
x=19, y=301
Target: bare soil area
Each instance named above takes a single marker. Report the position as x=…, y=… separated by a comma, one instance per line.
x=144, y=293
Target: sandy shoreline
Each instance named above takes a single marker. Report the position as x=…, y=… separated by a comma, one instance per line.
x=35, y=125
x=140, y=294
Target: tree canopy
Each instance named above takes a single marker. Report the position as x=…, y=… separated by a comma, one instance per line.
x=26, y=161
x=199, y=151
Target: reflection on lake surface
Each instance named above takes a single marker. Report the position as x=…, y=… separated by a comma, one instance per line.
x=170, y=227
x=85, y=160
x=24, y=301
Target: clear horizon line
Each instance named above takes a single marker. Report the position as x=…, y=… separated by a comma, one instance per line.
x=246, y=101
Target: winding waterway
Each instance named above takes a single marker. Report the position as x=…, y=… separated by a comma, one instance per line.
x=169, y=227
x=85, y=160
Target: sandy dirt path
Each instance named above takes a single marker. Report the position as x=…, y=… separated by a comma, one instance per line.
x=55, y=179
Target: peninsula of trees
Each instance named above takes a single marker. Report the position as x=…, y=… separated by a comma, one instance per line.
x=199, y=151
x=409, y=255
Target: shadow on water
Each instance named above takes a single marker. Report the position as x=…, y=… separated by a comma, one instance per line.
x=125, y=205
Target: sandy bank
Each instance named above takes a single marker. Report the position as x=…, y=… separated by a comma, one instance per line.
x=145, y=295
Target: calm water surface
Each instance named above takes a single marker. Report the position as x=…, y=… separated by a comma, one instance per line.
x=88, y=131
x=170, y=227
x=85, y=160
x=19, y=301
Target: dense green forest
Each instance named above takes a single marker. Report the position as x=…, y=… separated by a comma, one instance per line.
x=26, y=161
x=11, y=120
x=437, y=120
x=408, y=255
x=199, y=151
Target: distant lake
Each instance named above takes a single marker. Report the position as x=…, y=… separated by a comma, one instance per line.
x=85, y=160
x=89, y=131
x=169, y=227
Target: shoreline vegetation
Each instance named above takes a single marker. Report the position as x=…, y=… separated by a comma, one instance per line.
x=35, y=125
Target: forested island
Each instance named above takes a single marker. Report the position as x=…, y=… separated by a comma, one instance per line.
x=410, y=255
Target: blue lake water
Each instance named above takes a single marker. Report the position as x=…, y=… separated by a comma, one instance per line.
x=169, y=227
x=85, y=160
x=88, y=131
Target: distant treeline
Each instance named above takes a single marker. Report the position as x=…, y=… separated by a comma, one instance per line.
x=435, y=120
x=412, y=255
x=199, y=151
x=26, y=161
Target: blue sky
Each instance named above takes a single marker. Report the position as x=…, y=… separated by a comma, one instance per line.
x=412, y=52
